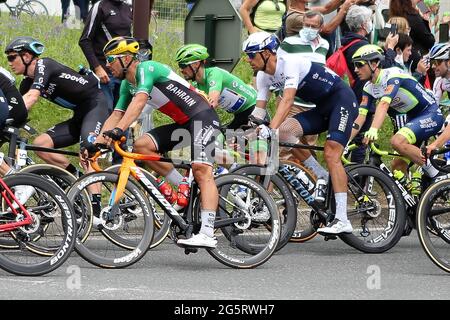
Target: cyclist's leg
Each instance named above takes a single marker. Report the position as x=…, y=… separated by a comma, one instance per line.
x=398, y=122
x=240, y=118
x=417, y=129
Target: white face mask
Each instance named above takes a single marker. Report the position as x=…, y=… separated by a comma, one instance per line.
x=369, y=26
x=309, y=34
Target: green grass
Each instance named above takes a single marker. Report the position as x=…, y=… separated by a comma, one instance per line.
x=62, y=45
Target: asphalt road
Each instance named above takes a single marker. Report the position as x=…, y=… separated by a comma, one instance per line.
x=313, y=270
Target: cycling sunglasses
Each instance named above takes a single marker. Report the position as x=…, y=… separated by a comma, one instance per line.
x=252, y=55
x=183, y=65
x=435, y=62
x=111, y=59
x=11, y=57
x=359, y=64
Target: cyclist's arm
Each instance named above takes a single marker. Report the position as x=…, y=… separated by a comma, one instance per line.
x=215, y=87
x=31, y=97
x=92, y=24
x=133, y=111
x=110, y=123
x=440, y=141
x=393, y=85
x=284, y=107
x=214, y=98
x=437, y=89
x=380, y=114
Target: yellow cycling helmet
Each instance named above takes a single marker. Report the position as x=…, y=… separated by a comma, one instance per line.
x=121, y=45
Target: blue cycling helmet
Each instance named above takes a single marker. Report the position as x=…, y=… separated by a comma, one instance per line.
x=440, y=51
x=260, y=41
x=28, y=44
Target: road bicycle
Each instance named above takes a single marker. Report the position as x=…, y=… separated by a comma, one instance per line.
x=46, y=213
x=433, y=217
x=374, y=206
x=32, y=8
x=247, y=226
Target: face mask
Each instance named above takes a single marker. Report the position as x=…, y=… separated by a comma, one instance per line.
x=399, y=59
x=369, y=26
x=309, y=34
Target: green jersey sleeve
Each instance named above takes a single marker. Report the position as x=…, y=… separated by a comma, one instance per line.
x=125, y=96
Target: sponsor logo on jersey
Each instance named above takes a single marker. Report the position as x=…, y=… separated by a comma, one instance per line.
x=70, y=77
x=343, y=120
x=182, y=94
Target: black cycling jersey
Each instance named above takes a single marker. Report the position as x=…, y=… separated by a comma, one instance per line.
x=61, y=84
x=14, y=104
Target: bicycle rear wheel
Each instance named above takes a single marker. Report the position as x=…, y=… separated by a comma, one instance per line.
x=283, y=197
x=123, y=241
x=53, y=219
x=253, y=240
x=433, y=223
x=32, y=8
x=375, y=208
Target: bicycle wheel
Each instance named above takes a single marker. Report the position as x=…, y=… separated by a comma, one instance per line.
x=133, y=229
x=304, y=229
x=53, y=219
x=433, y=223
x=64, y=180
x=281, y=194
x=375, y=208
x=258, y=233
x=32, y=8
x=162, y=221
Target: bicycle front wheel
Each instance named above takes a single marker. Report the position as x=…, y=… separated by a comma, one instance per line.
x=119, y=237
x=376, y=209
x=433, y=223
x=247, y=225
x=53, y=219
x=32, y=8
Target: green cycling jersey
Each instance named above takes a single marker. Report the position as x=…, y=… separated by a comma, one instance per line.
x=235, y=95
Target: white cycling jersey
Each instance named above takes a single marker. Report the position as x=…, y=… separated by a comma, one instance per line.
x=440, y=86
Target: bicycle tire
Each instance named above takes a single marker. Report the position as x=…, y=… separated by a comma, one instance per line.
x=64, y=180
x=162, y=220
x=283, y=198
x=230, y=242
x=33, y=8
x=387, y=222
x=304, y=229
x=98, y=249
x=434, y=243
x=59, y=238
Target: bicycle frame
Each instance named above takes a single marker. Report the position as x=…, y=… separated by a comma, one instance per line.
x=5, y=192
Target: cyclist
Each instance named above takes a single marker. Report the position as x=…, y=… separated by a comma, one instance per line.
x=414, y=111
x=336, y=109
x=47, y=78
x=440, y=59
x=224, y=89
x=175, y=97
x=12, y=112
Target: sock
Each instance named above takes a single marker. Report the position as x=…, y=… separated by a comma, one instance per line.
x=341, y=206
x=72, y=169
x=96, y=201
x=316, y=168
x=174, y=177
x=208, y=218
x=429, y=169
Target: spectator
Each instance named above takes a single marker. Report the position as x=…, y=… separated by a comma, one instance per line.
x=106, y=20
x=79, y=8
x=263, y=15
x=423, y=40
x=402, y=24
x=403, y=50
x=434, y=15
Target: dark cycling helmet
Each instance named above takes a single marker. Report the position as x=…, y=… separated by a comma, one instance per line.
x=368, y=52
x=191, y=53
x=260, y=41
x=28, y=44
x=440, y=51
x=121, y=45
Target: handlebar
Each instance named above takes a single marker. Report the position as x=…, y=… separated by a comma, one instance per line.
x=438, y=163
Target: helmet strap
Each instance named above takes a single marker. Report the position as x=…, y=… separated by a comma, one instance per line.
x=194, y=72
x=125, y=68
x=25, y=64
x=265, y=60
x=373, y=70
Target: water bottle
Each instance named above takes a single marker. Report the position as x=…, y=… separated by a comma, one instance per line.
x=401, y=177
x=304, y=178
x=221, y=170
x=416, y=183
x=183, y=193
x=166, y=189
x=321, y=187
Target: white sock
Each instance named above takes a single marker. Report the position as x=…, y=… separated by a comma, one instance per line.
x=174, y=177
x=429, y=169
x=208, y=218
x=316, y=168
x=341, y=206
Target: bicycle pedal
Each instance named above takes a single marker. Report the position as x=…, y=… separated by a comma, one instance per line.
x=190, y=250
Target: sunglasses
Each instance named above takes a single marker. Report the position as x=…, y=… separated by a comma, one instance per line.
x=435, y=62
x=252, y=55
x=359, y=64
x=183, y=65
x=111, y=59
x=12, y=57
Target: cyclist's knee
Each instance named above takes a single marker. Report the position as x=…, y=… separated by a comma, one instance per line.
x=398, y=140
x=290, y=131
x=332, y=152
x=202, y=172
x=144, y=145
x=44, y=140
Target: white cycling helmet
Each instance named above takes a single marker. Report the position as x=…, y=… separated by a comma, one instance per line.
x=259, y=41
x=440, y=51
